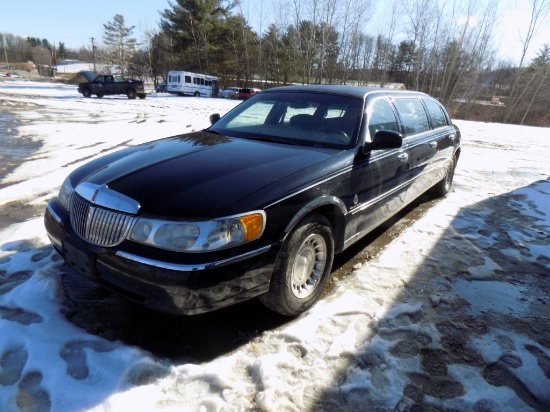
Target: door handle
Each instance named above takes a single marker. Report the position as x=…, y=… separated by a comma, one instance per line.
x=433, y=145
x=403, y=157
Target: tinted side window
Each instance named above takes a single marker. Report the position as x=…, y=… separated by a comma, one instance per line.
x=382, y=117
x=436, y=114
x=413, y=115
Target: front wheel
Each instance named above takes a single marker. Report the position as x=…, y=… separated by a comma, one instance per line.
x=86, y=93
x=197, y=94
x=302, y=268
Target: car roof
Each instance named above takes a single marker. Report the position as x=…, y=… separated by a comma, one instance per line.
x=344, y=90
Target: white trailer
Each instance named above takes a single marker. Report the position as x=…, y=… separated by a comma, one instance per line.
x=192, y=84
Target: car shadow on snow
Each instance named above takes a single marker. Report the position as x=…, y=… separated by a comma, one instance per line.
x=470, y=325
x=483, y=279
x=193, y=339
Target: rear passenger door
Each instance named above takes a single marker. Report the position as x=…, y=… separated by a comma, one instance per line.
x=422, y=143
x=445, y=135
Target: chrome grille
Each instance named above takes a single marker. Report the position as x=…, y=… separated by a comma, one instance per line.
x=97, y=225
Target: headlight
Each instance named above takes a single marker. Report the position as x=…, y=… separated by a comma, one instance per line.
x=65, y=193
x=201, y=236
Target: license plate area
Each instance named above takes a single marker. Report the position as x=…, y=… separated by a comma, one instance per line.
x=80, y=261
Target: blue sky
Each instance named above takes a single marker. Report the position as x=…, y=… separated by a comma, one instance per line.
x=73, y=22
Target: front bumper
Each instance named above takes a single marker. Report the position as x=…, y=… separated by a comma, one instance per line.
x=181, y=287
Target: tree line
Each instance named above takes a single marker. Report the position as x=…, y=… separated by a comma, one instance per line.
x=444, y=48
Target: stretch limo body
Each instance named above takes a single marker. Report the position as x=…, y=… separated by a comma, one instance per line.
x=257, y=204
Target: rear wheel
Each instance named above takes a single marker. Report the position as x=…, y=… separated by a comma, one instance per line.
x=302, y=268
x=99, y=95
x=444, y=185
x=131, y=93
x=142, y=95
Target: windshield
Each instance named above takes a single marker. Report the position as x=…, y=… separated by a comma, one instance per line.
x=302, y=118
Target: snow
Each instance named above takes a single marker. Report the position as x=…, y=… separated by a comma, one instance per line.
x=360, y=347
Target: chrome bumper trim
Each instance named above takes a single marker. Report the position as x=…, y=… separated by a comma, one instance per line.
x=54, y=215
x=191, y=268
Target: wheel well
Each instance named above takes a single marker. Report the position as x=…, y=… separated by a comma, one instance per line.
x=336, y=218
x=338, y=222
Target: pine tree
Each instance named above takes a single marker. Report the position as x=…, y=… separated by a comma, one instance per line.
x=119, y=42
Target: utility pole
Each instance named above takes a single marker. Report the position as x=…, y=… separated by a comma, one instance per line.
x=93, y=52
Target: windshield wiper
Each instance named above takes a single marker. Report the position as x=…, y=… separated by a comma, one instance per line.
x=271, y=140
x=213, y=132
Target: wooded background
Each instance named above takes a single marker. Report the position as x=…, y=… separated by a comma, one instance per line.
x=444, y=48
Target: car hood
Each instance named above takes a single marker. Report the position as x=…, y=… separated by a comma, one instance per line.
x=200, y=175
x=88, y=75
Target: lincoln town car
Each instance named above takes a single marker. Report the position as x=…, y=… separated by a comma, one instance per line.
x=258, y=204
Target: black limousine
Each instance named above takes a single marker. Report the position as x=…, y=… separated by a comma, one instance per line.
x=256, y=205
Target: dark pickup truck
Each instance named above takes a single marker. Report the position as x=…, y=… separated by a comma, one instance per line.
x=101, y=85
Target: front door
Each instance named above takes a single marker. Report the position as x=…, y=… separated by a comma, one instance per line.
x=384, y=174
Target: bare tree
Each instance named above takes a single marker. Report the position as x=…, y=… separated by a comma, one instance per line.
x=541, y=68
x=539, y=16
x=351, y=22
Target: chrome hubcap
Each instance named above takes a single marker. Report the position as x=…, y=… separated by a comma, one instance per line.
x=308, y=266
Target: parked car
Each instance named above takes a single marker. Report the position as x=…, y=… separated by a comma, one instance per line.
x=102, y=85
x=246, y=93
x=161, y=88
x=258, y=204
x=230, y=92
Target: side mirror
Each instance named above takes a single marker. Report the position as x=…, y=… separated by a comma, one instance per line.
x=385, y=139
x=214, y=118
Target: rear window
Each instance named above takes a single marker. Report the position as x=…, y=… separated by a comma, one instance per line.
x=437, y=115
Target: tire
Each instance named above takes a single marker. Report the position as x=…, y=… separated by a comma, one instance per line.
x=86, y=93
x=131, y=93
x=142, y=95
x=99, y=95
x=302, y=268
x=197, y=94
x=444, y=185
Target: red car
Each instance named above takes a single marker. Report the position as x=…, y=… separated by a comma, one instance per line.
x=246, y=93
